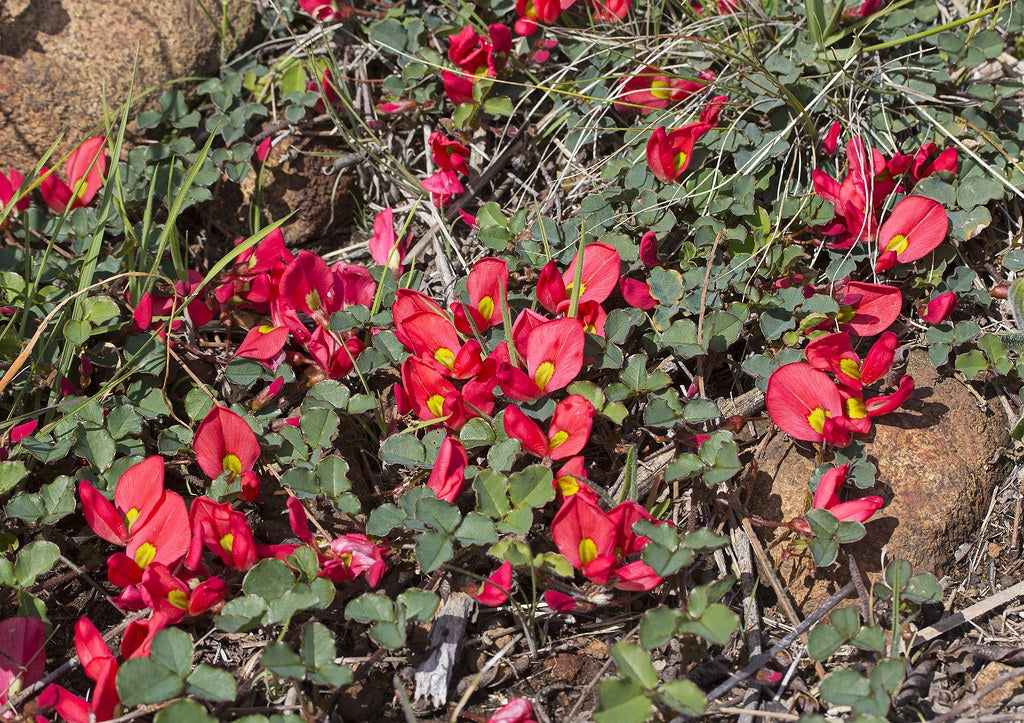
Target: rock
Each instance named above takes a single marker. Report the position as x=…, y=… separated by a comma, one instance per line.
x=58, y=58
x=1000, y=694
x=299, y=176
x=937, y=459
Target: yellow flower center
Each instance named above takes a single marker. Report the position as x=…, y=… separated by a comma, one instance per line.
x=568, y=485
x=232, y=464
x=817, y=419
x=436, y=405
x=850, y=368
x=898, y=243
x=145, y=554
x=313, y=300
x=681, y=159
x=130, y=516
x=846, y=313
x=446, y=357
x=855, y=408
x=486, y=307
x=346, y=557
x=227, y=542
x=266, y=329
x=588, y=550
x=178, y=599
x=660, y=89
x=556, y=441
x=543, y=374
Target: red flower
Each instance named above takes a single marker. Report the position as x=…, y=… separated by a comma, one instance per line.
x=598, y=277
x=326, y=10
x=487, y=286
x=834, y=353
x=650, y=90
x=263, y=343
x=223, y=531
x=494, y=591
x=442, y=187
x=867, y=309
x=826, y=498
x=947, y=161
x=9, y=185
x=940, y=308
x=84, y=172
x=554, y=357
x=670, y=153
x=649, y=250
x=449, y=471
x=568, y=480
x=385, y=248
x=478, y=55
x=914, y=228
x=532, y=12
x=354, y=555
x=101, y=667
x=568, y=433
x=559, y=602
x=137, y=495
x=22, y=654
x=431, y=397
x=434, y=341
x=586, y=537
x=805, y=404
x=831, y=138
x=225, y=443
x=307, y=285
x=637, y=294
x=517, y=710
x=173, y=598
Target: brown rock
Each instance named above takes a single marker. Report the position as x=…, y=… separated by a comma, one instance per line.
x=937, y=462
x=299, y=176
x=1001, y=693
x=58, y=58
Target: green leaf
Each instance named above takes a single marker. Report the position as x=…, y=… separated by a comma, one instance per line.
x=173, y=649
x=442, y=516
x=183, y=711
x=870, y=637
x=476, y=529
x=282, y=661
x=281, y=609
x=683, y=696
x=242, y=613
x=211, y=683
x=658, y=627
x=318, y=426
x=332, y=476
x=141, y=681
x=11, y=473
x=491, y=494
x=403, y=449
x=97, y=446
x=476, y=433
x=77, y=332
x=432, y=550
x=390, y=635
x=700, y=410
x=34, y=559
x=499, y=106
x=270, y=579
x=318, y=647
x=716, y=624
x=823, y=641
x=844, y=687
x=635, y=663
x=419, y=604
x=846, y=622
x=824, y=550
x=531, y=487
x=888, y=675
x=334, y=675
x=369, y=607
x=922, y=589
x=822, y=522
x=385, y=518
x=621, y=701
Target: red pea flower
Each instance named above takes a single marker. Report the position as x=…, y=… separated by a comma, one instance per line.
x=22, y=654
x=84, y=172
x=568, y=480
x=805, y=404
x=354, y=555
x=223, y=531
x=385, y=248
x=100, y=666
x=495, y=589
x=263, y=343
x=517, y=710
x=225, y=443
x=914, y=228
x=867, y=309
x=137, y=494
x=326, y=10
x=567, y=434
x=826, y=498
x=554, y=357
x=939, y=309
x=831, y=138
x=449, y=471
x=637, y=294
x=585, y=535
x=834, y=353
x=9, y=185
x=487, y=286
x=532, y=12
x=559, y=602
